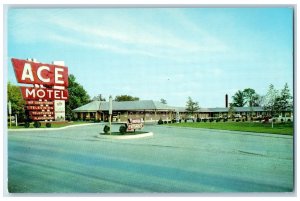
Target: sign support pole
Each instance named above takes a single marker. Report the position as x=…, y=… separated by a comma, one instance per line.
x=9, y=112
x=110, y=113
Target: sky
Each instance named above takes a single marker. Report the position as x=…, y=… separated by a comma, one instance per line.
x=154, y=53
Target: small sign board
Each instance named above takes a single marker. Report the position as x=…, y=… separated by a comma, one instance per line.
x=134, y=124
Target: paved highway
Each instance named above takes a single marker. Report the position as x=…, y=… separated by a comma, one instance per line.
x=174, y=160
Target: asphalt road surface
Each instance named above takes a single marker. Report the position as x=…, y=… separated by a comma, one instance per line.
x=174, y=160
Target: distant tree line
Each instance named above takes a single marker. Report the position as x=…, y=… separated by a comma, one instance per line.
x=274, y=101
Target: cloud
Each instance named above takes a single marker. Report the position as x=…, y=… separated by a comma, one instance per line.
x=120, y=36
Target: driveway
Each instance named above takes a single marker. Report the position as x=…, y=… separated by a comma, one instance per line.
x=176, y=160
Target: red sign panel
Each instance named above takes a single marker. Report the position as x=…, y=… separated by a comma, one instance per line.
x=34, y=113
x=38, y=73
x=39, y=103
x=39, y=108
x=39, y=118
x=32, y=93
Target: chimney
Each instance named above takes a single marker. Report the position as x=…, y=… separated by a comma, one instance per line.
x=226, y=101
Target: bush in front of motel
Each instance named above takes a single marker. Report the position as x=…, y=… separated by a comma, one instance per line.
x=26, y=124
x=37, y=124
x=48, y=125
x=106, y=129
x=122, y=129
x=160, y=121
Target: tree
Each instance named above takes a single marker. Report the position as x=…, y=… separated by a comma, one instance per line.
x=251, y=97
x=126, y=98
x=77, y=96
x=238, y=99
x=17, y=102
x=285, y=101
x=99, y=98
x=192, y=106
x=231, y=111
x=163, y=101
x=257, y=100
x=271, y=101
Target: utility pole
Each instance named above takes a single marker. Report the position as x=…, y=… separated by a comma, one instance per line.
x=16, y=119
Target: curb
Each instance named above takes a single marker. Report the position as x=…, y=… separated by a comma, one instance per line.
x=125, y=137
x=52, y=129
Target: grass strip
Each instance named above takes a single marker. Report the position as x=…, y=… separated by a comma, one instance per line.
x=278, y=128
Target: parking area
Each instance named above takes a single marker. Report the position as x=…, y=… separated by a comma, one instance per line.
x=173, y=160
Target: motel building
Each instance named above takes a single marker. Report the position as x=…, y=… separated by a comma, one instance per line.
x=152, y=111
x=147, y=110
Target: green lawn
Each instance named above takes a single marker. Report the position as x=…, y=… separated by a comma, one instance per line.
x=285, y=129
x=53, y=125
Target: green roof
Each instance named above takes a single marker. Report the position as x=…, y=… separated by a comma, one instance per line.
x=152, y=105
x=124, y=105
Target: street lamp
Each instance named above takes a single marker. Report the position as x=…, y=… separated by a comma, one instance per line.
x=110, y=113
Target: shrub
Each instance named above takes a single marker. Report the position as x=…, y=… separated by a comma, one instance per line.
x=198, y=120
x=37, y=124
x=211, y=120
x=179, y=120
x=237, y=120
x=173, y=120
x=106, y=129
x=217, y=120
x=165, y=122
x=259, y=119
x=289, y=120
x=224, y=120
x=74, y=119
x=122, y=129
x=48, y=125
x=185, y=120
x=204, y=120
x=282, y=120
x=26, y=124
x=160, y=121
x=274, y=120
x=243, y=120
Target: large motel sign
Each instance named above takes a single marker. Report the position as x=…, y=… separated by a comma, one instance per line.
x=48, y=84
